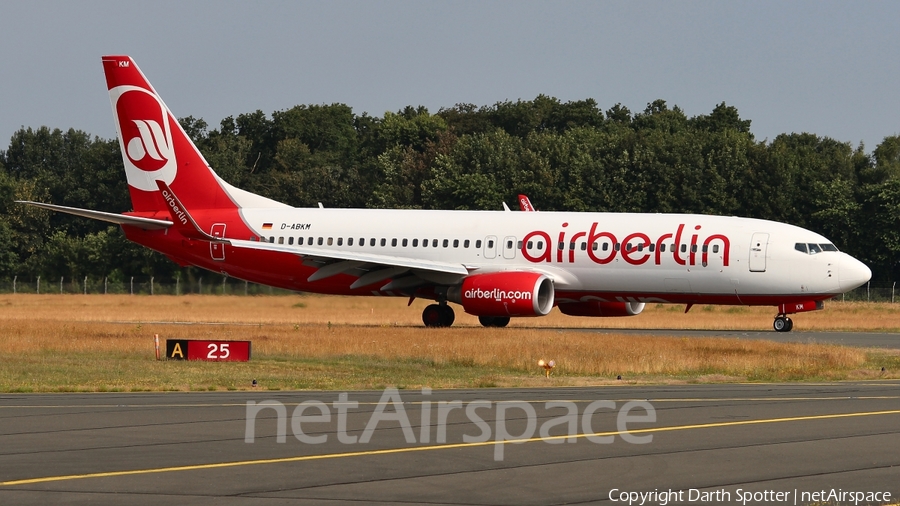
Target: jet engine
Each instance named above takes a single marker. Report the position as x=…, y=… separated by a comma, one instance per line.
x=509, y=293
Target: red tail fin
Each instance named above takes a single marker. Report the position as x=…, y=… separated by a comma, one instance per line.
x=155, y=147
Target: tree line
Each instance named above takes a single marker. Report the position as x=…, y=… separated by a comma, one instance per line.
x=565, y=155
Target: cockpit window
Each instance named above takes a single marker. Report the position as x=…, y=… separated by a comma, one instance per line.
x=812, y=249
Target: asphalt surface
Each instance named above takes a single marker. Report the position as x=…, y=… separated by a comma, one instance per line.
x=712, y=444
x=887, y=340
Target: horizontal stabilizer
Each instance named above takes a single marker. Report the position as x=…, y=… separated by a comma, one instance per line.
x=119, y=219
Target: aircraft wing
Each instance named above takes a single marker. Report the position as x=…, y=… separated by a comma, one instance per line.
x=369, y=268
x=119, y=219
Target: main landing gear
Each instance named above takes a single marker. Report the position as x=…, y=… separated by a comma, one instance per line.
x=441, y=315
x=783, y=323
x=438, y=315
x=494, y=321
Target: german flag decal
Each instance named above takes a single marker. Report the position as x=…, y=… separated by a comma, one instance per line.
x=267, y=226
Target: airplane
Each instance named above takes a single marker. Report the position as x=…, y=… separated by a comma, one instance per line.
x=494, y=264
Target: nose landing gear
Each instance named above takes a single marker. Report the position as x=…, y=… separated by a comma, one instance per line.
x=783, y=323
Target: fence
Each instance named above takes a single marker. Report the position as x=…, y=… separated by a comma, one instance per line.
x=218, y=285
x=223, y=285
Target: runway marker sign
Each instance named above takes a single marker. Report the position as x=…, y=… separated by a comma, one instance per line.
x=209, y=351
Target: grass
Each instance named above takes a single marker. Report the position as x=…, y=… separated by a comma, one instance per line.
x=105, y=343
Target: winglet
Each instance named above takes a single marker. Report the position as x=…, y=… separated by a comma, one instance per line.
x=525, y=203
x=183, y=222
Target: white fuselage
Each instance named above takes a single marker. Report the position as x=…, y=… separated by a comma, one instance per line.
x=737, y=259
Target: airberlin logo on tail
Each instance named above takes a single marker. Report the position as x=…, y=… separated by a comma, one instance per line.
x=150, y=142
x=635, y=248
x=145, y=136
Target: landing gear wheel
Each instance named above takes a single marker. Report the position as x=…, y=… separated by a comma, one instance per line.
x=438, y=315
x=494, y=321
x=447, y=315
x=783, y=324
x=431, y=316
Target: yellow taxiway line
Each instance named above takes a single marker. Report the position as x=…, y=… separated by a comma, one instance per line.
x=48, y=479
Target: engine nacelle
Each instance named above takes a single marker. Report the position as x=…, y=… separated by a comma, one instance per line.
x=597, y=308
x=509, y=293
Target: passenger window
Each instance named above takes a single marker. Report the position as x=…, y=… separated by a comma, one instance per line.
x=372, y=242
x=705, y=248
x=272, y=238
x=519, y=245
x=530, y=244
x=424, y=243
x=693, y=248
x=562, y=245
x=466, y=243
x=405, y=242
x=652, y=247
x=540, y=245
x=478, y=244
x=490, y=243
x=299, y=241
x=446, y=243
x=584, y=246
x=455, y=243
x=662, y=248
x=349, y=241
x=281, y=240
x=594, y=246
x=362, y=242
x=415, y=243
x=605, y=246
x=684, y=248
x=330, y=241
x=616, y=246
x=310, y=241
x=290, y=241
x=340, y=241
x=715, y=248
x=383, y=242
x=571, y=245
x=394, y=243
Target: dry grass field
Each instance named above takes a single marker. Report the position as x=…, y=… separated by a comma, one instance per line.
x=105, y=342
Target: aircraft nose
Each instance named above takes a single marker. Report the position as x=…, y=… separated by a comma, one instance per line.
x=853, y=273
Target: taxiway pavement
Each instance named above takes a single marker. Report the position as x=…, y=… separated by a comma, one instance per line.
x=192, y=448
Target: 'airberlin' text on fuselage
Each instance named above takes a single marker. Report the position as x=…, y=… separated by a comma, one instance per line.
x=636, y=248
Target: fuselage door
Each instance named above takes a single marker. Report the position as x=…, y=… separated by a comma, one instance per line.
x=217, y=250
x=509, y=247
x=490, y=246
x=758, y=252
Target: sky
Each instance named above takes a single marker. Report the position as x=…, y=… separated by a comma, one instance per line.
x=824, y=67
